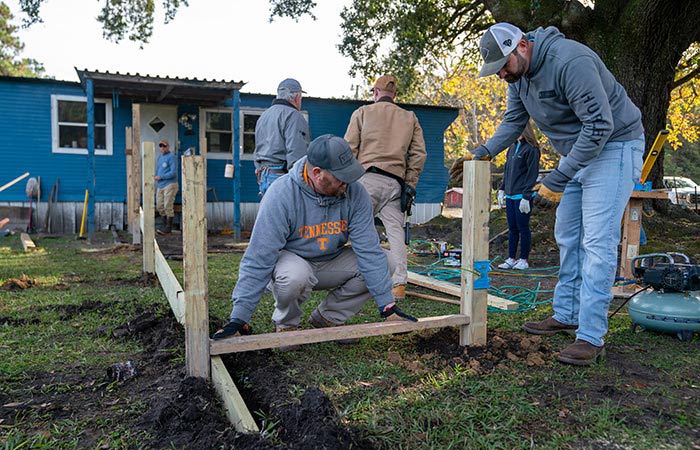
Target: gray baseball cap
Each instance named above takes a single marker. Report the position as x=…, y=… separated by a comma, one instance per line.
x=289, y=85
x=496, y=45
x=333, y=154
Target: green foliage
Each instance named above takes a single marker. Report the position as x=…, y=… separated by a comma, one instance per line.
x=10, y=48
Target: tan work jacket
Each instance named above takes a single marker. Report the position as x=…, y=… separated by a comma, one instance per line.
x=388, y=137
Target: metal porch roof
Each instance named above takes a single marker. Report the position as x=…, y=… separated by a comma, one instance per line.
x=155, y=89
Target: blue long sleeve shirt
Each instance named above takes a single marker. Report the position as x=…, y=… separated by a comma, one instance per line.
x=166, y=169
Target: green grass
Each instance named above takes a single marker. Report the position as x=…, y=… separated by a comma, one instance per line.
x=644, y=397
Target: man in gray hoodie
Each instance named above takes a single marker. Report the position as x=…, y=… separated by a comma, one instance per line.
x=281, y=135
x=299, y=242
x=589, y=119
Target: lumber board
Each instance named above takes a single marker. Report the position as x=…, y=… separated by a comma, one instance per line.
x=475, y=247
x=148, y=164
x=194, y=251
x=452, y=289
x=27, y=242
x=171, y=286
x=236, y=410
x=274, y=340
x=16, y=180
x=661, y=194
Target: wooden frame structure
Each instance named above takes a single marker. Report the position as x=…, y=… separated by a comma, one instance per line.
x=190, y=305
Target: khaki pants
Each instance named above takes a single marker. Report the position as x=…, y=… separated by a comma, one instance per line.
x=165, y=198
x=294, y=278
x=386, y=199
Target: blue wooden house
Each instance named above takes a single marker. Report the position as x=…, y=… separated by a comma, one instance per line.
x=73, y=136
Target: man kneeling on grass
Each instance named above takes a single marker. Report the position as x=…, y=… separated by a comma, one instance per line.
x=298, y=244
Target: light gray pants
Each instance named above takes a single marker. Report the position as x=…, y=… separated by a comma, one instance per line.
x=386, y=198
x=294, y=278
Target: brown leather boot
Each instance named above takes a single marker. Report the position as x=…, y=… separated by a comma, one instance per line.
x=581, y=353
x=317, y=320
x=549, y=326
x=399, y=292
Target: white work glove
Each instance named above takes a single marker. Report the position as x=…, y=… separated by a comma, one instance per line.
x=524, y=206
x=501, y=198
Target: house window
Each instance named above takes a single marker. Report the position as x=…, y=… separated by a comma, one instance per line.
x=69, y=125
x=218, y=131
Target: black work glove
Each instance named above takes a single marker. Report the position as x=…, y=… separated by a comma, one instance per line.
x=235, y=327
x=456, y=171
x=392, y=313
x=408, y=195
x=549, y=192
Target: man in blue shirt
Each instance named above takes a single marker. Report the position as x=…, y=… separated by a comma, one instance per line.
x=166, y=185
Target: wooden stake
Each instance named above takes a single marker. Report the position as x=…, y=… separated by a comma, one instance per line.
x=136, y=170
x=475, y=247
x=149, y=193
x=194, y=248
x=236, y=410
x=130, y=209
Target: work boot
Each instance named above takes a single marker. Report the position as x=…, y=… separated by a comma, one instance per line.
x=283, y=329
x=168, y=226
x=549, y=326
x=317, y=320
x=399, y=292
x=581, y=353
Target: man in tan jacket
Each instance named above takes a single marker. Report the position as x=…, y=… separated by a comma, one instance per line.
x=388, y=141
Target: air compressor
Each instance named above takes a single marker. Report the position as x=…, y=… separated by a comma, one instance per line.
x=673, y=303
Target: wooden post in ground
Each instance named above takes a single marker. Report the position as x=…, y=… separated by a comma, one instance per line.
x=129, y=178
x=148, y=164
x=136, y=171
x=476, y=201
x=194, y=249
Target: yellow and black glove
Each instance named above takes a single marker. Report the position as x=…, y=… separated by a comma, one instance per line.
x=456, y=170
x=548, y=193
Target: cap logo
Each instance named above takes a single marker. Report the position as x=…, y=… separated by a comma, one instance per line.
x=507, y=42
x=344, y=158
x=484, y=52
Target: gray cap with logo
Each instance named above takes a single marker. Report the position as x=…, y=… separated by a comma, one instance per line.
x=496, y=45
x=332, y=153
x=289, y=85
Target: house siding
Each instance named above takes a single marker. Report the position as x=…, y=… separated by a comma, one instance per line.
x=26, y=146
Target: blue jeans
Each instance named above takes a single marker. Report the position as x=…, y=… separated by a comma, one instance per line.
x=518, y=229
x=587, y=231
x=266, y=178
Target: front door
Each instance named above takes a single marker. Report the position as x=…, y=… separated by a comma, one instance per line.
x=159, y=122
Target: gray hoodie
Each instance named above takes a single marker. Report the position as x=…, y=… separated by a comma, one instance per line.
x=281, y=136
x=572, y=97
x=315, y=227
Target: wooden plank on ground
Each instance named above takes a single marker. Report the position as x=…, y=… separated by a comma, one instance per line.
x=171, y=286
x=27, y=242
x=236, y=410
x=452, y=289
x=274, y=340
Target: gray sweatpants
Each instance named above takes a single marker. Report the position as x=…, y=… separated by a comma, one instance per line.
x=294, y=278
x=386, y=198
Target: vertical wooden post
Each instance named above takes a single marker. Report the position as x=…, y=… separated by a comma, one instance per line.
x=92, y=179
x=148, y=164
x=129, y=177
x=136, y=171
x=194, y=249
x=476, y=201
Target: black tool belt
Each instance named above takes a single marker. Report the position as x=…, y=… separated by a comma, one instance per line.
x=379, y=171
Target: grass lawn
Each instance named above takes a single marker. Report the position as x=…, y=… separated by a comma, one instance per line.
x=411, y=391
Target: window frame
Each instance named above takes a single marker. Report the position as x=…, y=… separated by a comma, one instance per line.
x=203, y=131
x=249, y=111
x=55, y=126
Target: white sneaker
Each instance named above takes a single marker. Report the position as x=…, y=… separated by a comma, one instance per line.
x=508, y=264
x=521, y=264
